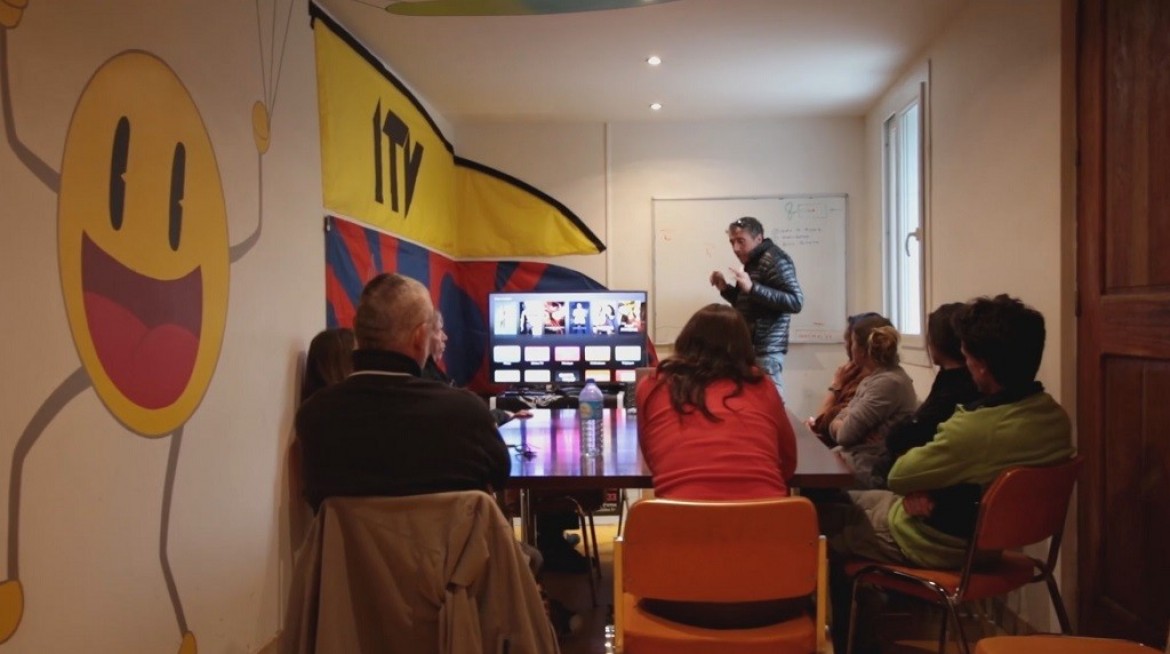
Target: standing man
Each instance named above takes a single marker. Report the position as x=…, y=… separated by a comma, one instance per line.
x=765, y=292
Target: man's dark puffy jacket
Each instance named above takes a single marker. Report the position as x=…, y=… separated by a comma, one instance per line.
x=775, y=295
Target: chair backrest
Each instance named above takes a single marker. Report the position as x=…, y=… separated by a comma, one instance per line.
x=1026, y=505
x=720, y=551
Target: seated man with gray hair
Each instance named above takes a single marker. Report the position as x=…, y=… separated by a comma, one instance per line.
x=385, y=430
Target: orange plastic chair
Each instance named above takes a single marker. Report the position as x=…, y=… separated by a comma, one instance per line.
x=1059, y=645
x=719, y=552
x=1022, y=507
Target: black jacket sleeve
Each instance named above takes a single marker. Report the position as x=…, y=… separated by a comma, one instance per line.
x=777, y=287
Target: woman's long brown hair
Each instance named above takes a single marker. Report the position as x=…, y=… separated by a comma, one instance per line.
x=328, y=361
x=715, y=344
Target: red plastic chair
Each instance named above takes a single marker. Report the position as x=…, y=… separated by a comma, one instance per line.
x=1022, y=507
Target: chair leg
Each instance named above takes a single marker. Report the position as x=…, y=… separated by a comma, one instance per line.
x=621, y=507
x=596, y=547
x=984, y=619
x=1000, y=607
x=585, y=546
x=942, y=633
x=953, y=611
x=852, y=617
x=1058, y=604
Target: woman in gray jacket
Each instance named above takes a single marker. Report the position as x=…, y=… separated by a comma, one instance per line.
x=884, y=397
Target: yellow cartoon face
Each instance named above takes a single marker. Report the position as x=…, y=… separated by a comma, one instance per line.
x=142, y=243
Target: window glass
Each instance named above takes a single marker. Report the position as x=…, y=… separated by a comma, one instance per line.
x=902, y=201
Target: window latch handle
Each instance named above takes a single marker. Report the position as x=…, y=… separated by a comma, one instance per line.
x=916, y=235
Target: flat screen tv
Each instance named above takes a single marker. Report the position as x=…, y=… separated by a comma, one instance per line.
x=563, y=338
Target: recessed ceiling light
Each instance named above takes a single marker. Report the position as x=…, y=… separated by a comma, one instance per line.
x=654, y=60
x=656, y=106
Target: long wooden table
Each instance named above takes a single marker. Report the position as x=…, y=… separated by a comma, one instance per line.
x=548, y=457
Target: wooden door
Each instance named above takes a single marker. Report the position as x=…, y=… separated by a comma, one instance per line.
x=1123, y=125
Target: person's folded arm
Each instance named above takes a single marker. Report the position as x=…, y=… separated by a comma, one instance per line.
x=833, y=396
x=943, y=462
x=867, y=410
x=908, y=434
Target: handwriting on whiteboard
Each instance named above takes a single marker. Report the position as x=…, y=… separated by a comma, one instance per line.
x=816, y=336
x=804, y=225
x=789, y=237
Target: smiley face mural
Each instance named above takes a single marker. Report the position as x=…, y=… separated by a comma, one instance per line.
x=143, y=244
x=144, y=261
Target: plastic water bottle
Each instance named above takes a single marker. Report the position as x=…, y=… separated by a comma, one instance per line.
x=589, y=411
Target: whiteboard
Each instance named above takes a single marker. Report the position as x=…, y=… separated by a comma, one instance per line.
x=690, y=241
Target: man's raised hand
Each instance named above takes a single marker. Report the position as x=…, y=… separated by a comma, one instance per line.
x=742, y=279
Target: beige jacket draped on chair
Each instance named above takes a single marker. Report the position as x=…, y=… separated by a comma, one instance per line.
x=427, y=573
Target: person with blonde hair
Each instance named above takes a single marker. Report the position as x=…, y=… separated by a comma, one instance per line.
x=431, y=370
x=884, y=397
x=844, y=384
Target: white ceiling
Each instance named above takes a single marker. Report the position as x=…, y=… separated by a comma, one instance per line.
x=721, y=58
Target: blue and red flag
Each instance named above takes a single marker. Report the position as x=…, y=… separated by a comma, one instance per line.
x=354, y=254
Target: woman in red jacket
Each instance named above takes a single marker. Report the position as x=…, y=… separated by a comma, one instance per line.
x=711, y=425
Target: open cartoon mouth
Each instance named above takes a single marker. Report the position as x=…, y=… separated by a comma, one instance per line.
x=145, y=331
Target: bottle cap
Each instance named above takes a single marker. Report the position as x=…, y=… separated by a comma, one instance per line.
x=590, y=381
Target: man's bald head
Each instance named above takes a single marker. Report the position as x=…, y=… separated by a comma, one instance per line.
x=393, y=313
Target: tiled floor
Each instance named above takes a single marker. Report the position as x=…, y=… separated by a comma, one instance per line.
x=906, y=629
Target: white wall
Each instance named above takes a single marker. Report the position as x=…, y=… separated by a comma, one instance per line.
x=995, y=161
x=564, y=160
x=997, y=219
x=92, y=490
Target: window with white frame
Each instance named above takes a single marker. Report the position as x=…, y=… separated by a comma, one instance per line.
x=902, y=195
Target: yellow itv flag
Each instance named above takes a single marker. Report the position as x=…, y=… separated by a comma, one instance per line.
x=384, y=162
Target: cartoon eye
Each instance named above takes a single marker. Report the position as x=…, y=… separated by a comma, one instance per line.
x=178, y=177
x=118, y=160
